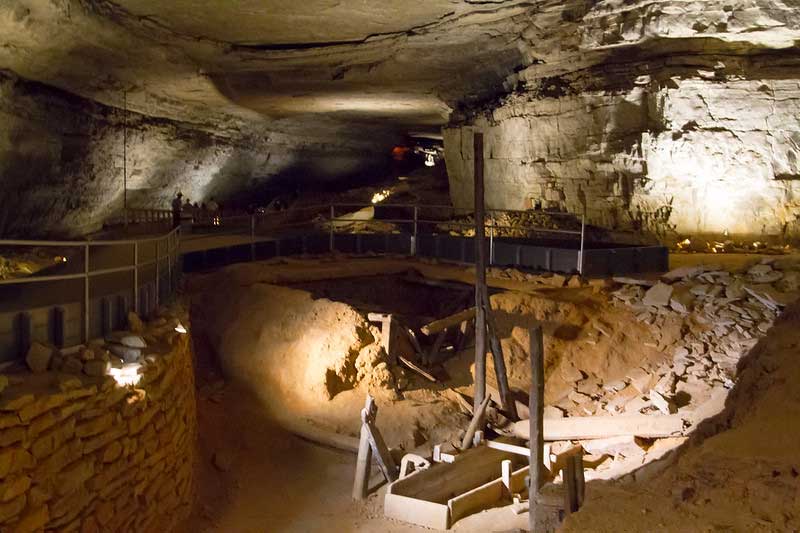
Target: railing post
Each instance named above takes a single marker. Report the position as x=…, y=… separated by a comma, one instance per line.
x=170, y=250
x=414, y=237
x=331, y=244
x=86, y=292
x=136, y=277
x=158, y=271
x=491, y=239
x=252, y=237
x=583, y=239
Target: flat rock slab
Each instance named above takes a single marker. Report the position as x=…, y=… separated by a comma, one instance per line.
x=658, y=295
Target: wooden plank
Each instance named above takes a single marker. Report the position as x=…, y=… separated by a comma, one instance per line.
x=476, y=423
x=414, y=511
x=518, y=485
x=363, y=466
x=381, y=453
x=447, y=322
x=510, y=448
x=422, y=372
x=601, y=427
x=475, y=500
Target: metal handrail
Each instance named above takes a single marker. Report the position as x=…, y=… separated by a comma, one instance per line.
x=172, y=240
x=415, y=220
x=332, y=219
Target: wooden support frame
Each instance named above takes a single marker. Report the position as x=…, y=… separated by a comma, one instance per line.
x=371, y=445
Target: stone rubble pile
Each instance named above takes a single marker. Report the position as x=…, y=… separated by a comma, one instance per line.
x=720, y=316
x=90, y=442
x=518, y=224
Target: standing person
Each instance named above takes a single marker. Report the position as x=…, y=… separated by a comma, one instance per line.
x=176, y=210
x=187, y=210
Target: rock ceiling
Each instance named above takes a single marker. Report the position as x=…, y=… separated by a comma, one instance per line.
x=235, y=65
x=275, y=65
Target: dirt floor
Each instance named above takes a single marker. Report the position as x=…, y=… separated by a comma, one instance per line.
x=295, y=347
x=254, y=476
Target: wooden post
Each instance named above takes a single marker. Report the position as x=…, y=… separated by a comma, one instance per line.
x=379, y=449
x=476, y=423
x=363, y=466
x=498, y=357
x=480, y=276
x=570, y=489
x=536, y=408
x=86, y=302
x=580, y=480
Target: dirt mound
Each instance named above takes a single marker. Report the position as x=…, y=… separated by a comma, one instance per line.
x=586, y=342
x=746, y=477
x=314, y=360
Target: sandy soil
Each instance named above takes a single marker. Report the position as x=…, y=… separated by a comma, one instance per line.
x=256, y=477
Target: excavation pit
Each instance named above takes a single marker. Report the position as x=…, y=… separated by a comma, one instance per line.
x=624, y=379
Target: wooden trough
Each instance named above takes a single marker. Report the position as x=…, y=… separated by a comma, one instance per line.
x=446, y=492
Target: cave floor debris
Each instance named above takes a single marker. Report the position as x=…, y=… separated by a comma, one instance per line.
x=657, y=333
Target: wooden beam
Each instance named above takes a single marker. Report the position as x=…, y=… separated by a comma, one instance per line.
x=379, y=449
x=476, y=423
x=447, y=322
x=506, y=400
x=536, y=422
x=601, y=427
x=386, y=330
x=480, y=274
x=422, y=372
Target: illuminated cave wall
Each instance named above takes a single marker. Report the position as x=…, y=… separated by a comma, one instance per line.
x=674, y=136
x=61, y=161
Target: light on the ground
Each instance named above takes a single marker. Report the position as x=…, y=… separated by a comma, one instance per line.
x=180, y=328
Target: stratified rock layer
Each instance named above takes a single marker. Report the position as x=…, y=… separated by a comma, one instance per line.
x=678, y=118
x=61, y=160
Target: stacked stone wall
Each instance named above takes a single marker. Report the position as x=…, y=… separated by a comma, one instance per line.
x=88, y=453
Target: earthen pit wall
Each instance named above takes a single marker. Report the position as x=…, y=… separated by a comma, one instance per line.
x=89, y=455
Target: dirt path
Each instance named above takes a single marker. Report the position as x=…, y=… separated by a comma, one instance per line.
x=255, y=477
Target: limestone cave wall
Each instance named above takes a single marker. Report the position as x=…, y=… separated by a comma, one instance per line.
x=61, y=160
x=671, y=118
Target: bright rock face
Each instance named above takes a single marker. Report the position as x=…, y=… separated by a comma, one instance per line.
x=677, y=118
x=225, y=98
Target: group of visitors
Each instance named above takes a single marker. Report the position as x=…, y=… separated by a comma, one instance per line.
x=203, y=212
